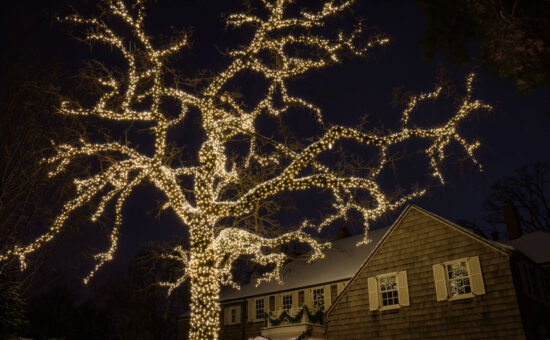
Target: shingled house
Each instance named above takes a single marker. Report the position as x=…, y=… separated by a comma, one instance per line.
x=428, y=278
x=422, y=278
x=314, y=285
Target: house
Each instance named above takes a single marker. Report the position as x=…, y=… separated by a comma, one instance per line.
x=428, y=278
x=315, y=285
x=422, y=278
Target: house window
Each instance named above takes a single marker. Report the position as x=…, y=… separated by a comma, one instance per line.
x=458, y=279
x=232, y=315
x=333, y=293
x=287, y=302
x=388, y=290
x=301, y=298
x=259, y=309
x=272, y=303
x=319, y=299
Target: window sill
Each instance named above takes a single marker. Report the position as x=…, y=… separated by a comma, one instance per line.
x=462, y=297
x=391, y=307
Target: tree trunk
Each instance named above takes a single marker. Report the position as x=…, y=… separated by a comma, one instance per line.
x=205, y=289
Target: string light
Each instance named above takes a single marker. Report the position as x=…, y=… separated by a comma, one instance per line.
x=209, y=259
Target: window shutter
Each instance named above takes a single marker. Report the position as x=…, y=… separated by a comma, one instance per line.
x=403, y=288
x=251, y=309
x=226, y=316
x=308, y=295
x=295, y=299
x=238, y=314
x=440, y=282
x=278, y=303
x=476, y=277
x=373, y=293
x=326, y=296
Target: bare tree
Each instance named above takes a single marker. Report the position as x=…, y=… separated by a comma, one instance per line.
x=276, y=51
x=528, y=190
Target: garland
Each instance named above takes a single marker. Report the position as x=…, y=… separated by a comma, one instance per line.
x=317, y=317
x=305, y=333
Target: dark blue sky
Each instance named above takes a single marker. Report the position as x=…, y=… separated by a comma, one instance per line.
x=514, y=134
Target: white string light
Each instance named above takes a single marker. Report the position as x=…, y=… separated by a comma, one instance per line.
x=209, y=259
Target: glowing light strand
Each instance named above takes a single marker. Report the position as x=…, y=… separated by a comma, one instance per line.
x=207, y=263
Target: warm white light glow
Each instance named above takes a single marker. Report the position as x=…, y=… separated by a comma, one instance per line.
x=209, y=259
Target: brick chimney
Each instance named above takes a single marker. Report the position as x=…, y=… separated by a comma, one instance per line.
x=511, y=219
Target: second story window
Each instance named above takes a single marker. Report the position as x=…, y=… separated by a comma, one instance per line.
x=301, y=298
x=388, y=291
x=319, y=299
x=272, y=303
x=287, y=302
x=458, y=278
x=260, y=309
x=389, y=295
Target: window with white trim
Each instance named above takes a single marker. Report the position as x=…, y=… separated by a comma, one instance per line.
x=287, y=302
x=260, y=311
x=388, y=291
x=232, y=315
x=458, y=279
x=319, y=299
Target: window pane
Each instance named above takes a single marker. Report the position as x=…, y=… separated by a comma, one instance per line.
x=388, y=290
x=259, y=308
x=287, y=302
x=319, y=298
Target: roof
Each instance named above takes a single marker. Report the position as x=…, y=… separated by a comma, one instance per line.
x=340, y=263
x=535, y=245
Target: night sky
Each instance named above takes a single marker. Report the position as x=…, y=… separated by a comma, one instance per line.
x=514, y=134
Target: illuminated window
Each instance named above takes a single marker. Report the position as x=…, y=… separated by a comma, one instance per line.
x=319, y=299
x=458, y=279
x=389, y=295
x=287, y=302
x=388, y=291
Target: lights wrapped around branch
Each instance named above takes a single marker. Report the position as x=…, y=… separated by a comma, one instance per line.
x=207, y=263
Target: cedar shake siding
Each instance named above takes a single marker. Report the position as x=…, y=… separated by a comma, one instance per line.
x=417, y=241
